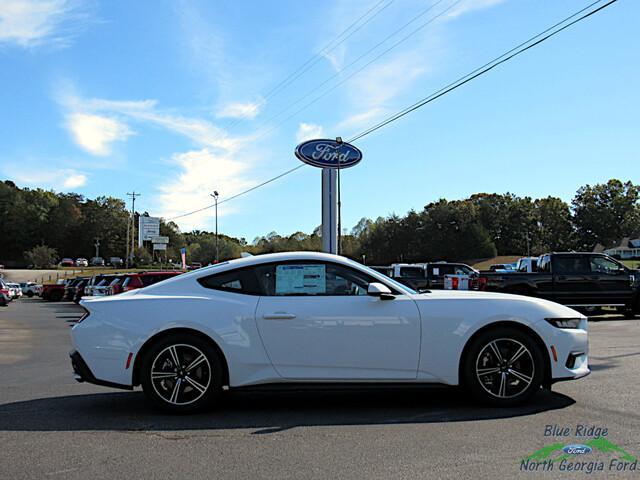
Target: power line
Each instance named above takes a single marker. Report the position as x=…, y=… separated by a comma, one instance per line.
x=352, y=74
x=311, y=61
x=521, y=48
x=356, y=60
x=328, y=48
x=273, y=179
x=505, y=57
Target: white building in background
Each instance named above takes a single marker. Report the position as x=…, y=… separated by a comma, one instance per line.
x=626, y=249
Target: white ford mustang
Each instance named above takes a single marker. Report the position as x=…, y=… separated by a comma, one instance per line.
x=314, y=317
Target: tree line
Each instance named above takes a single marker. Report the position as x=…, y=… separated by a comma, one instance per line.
x=481, y=226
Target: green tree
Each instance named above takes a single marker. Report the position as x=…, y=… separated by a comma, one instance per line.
x=41, y=256
x=554, y=228
x=603, y=212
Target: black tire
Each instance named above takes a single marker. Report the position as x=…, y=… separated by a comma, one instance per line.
x=55, y=296
x=29, y=293
x=508, y=386
x=189, y=397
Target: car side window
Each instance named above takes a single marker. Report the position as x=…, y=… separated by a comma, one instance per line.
x=311, y=279
x=242, y=280
x=411, y=272
x=605, y=266
x=569, y=265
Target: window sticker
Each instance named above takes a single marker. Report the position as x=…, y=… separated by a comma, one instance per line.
x=436, y=271
x=300, y=280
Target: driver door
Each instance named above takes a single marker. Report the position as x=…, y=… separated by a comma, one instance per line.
x=318, y=323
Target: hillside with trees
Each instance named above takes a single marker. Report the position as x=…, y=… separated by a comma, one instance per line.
x=481, y=226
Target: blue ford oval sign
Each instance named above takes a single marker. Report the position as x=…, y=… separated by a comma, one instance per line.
x=577, y=449
x=328, y=154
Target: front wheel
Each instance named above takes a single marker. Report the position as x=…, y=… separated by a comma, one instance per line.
x=182, y=374
x=503, y=367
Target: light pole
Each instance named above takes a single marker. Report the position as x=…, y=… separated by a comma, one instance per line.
x=215, y=197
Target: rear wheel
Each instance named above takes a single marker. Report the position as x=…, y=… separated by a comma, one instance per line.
x=503, y=367
x=55, y=296
x=182, y=374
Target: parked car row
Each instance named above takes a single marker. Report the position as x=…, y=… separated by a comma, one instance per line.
x=74, y=289
x=116, y=262
x=430, y=276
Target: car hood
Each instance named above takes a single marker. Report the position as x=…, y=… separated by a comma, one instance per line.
x=461, y=297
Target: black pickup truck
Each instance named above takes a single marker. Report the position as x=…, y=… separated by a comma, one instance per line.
x=585, y=281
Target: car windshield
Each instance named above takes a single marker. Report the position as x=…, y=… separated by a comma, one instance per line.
x=399, y=285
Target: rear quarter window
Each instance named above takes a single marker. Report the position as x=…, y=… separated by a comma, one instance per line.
x=242, y=280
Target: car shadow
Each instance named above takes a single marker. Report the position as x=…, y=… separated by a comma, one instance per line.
x=264, y=412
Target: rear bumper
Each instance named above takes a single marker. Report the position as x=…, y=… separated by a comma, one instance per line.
x=82, y=373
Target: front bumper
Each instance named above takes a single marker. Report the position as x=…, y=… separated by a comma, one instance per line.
x=568, y=351
x=82, y=373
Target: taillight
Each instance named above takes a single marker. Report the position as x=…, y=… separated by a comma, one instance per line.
x=455, y=281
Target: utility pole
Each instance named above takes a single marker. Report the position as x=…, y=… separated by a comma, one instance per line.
x=215, y=197
x=133, y=225
x=97, y=245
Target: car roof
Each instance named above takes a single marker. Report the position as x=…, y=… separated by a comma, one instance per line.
x=254, y=260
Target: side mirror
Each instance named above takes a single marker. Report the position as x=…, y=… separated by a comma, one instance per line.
x=380, y=290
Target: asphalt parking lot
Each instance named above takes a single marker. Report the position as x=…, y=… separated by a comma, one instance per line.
x=53, y=427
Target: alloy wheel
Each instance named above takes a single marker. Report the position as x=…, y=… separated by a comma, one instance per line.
x=505, y=368
x=181, y=374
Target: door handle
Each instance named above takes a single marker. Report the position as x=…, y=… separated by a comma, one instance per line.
x=278, y=316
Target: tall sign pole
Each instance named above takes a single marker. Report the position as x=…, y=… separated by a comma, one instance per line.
x=330, y=210
x=133, y=225
x=215, y=197
x=331, y=156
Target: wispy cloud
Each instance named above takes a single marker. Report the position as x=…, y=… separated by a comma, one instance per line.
x=95, y=133
x=307, y=131
x=218, y=161
x=42, y=177
x=202, y=171
x=74, y=180
x=91, y=116
x=247, y=110
x=360, y=119
x=29, y=23
x=378, y=90
x=468, y=6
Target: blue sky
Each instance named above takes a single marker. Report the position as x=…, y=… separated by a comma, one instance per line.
x=171, y=99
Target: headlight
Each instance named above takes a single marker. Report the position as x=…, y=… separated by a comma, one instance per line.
x=564, y=322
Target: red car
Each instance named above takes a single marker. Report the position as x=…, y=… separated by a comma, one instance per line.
x=53, y=292
x=67, y=262
x=133, y=281
x=5, y=295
